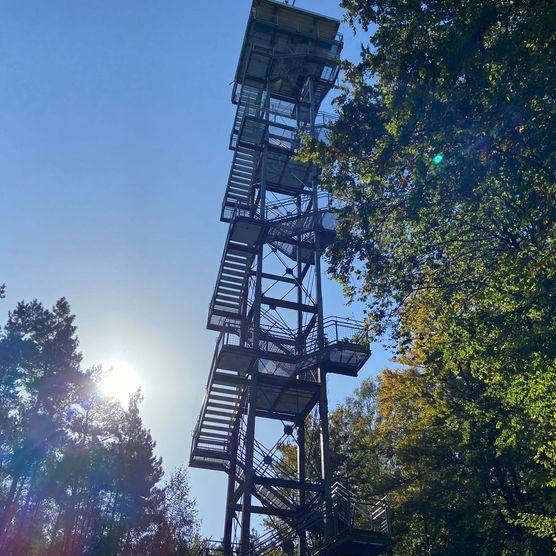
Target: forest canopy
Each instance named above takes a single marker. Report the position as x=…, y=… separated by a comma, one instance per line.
x=442, y=167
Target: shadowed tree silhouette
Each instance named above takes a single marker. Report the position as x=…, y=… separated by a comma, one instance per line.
x=78, y=471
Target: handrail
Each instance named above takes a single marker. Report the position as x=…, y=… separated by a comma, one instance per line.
x=220, y=341
x=276, y=206
x=337, y=330
x=221, y=268
x=274, y=111
x=289, y=132
x=358, y=514
x=212, y=547
x=348, y=511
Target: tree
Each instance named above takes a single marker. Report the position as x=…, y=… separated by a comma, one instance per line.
x=179, y=510
x=443, y=159
x=40, y=379
x=425, y=439
x=175, y=526
x=78, y=472
x=357, y=458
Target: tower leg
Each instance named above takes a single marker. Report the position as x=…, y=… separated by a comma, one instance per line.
x=301, y=470
x=324, y=457
x=323, y=395
x=248, y=470
x=230, y=510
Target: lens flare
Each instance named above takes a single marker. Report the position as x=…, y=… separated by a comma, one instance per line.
x=120, y=380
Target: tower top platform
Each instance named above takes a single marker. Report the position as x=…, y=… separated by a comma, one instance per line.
x=298, y=19
x=285, y=47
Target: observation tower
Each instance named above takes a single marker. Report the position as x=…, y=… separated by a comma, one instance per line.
x=275, y=346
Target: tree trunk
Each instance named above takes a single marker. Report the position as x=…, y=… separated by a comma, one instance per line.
x=10, y=507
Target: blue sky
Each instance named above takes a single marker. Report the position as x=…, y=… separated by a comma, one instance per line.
x=114, y=126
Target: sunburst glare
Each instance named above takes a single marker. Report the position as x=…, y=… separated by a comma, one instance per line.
x=120, y=380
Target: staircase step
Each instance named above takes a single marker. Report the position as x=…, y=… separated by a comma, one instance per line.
x=230, y=291
x=227, y=297
x=209, y=419
x=215, y=428
x=248, y=157
x=240, y=188
x=232, y=280
x=215, y=435
x=237, y=197
x=227, y=306
x=236, y=260
x=244, y=161
x=236, y=255
x=242, y=174
x=211, y=411
x=216, y=442
x=240, y=183
x=214, y=399
x=228, y=265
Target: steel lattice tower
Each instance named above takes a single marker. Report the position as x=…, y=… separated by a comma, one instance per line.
x=275, y=347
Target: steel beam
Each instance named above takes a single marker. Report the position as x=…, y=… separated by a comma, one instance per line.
x=302, y=486
x=230, y=504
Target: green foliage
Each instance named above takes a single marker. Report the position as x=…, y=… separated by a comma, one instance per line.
x=78, y=472
x=443, y=158
x=426, y=440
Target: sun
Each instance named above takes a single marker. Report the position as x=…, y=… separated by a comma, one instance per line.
x=119, y=381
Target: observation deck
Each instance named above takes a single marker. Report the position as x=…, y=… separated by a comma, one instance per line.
x=284, y=49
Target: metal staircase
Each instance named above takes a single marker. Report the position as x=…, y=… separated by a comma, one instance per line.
x=229, y=298
x=266, y=494
x=237, y=199
x=211, y=445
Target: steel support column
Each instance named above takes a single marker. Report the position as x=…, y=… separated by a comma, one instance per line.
x=301, y=470
x=248, y=472
x=323, y=397
x=230, y=510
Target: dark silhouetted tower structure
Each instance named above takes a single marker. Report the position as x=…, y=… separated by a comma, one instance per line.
x=275, y=346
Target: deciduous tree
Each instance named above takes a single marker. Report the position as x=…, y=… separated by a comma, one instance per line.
x=443, y=160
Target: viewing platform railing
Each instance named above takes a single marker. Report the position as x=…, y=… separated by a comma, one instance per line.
x=337, y=330
x=353, y=513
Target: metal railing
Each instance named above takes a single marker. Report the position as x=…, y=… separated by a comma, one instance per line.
x=283, y=124
x=288, y=207
x=339, y=330
x=228, y=336
x=351, y=512
x=211, y=547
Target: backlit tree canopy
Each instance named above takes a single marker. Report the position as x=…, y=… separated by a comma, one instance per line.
x=78, y=472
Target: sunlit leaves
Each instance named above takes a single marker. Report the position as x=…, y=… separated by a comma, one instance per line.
x=444, y=156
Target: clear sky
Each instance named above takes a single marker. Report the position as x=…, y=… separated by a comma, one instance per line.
x=114, y=125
